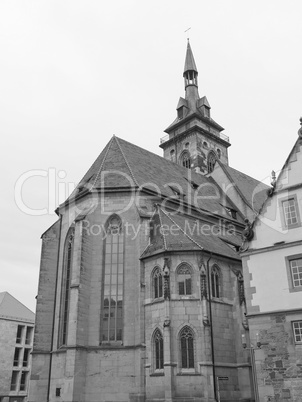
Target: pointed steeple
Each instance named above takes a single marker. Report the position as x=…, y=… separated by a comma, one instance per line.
x=190, y=71
x=189, y=62
x=194, y=139
x=190, y=76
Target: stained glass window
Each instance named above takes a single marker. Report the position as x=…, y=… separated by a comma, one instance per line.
x=184, y=280
x=159, y=350
x=186, y=160
x=211, y=161
x=66, y=280
x=157, y=283
x=215, y=281
x=187, y=348
x=113, y=272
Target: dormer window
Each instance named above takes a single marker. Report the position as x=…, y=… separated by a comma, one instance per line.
x=180, y=112
x=231, y=212
x=206, y=112
x=234, y=247
x=176, y=191
x=193, y=184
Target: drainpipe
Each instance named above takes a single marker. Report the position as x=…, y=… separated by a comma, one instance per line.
x=211, y=326
x=54, y=314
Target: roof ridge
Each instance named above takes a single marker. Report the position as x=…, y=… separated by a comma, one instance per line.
x=224, y=165
x=232, y=181
x=102, y=164
x=126, y=161
x=161, y=224
x=144, y=149
x=162, y=158
x=190, y=238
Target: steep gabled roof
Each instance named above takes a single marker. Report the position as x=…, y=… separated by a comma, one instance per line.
x=253, y=191
x=284, y=173
x=110, y=169
x=177, y=232
x=11, y=308
x=125, y=165
x=268, y=223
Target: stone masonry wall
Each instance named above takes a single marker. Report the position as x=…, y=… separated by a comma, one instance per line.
x=230, y=359
x=279, y=360
x=44, y=315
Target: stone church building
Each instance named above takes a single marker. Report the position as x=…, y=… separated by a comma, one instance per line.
x=141, y=293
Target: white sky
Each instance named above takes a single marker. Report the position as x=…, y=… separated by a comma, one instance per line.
x=73, y=73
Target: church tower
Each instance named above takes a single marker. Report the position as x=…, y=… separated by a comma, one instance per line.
x=194, y=139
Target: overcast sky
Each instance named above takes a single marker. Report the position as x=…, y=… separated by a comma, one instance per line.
x=73, y=73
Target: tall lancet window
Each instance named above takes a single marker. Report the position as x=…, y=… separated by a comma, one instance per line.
x=211, y=161
x=158, y=350
x=215, y=281
x=66, y=280
x=113, y=278
x=186, y=160
x=187, y=348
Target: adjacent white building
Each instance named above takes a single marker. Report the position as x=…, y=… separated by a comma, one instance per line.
x=272, y=268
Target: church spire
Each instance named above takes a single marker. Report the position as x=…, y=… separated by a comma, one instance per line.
x=190, y=71
x=194, y=139
x=190, y=75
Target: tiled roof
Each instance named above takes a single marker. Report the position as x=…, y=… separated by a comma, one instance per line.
x=122, y=164
x=11, y=308
x=177, y=232
x=253, y=191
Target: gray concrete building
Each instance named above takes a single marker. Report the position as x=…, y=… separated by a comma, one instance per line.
x=16, y=339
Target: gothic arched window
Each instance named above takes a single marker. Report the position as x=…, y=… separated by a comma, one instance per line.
x=187, y=347
x=157, y=283
x=66, y=280
x=113, y=279
x=215, y=281
x=172, y=155
x=211, y=161
x=184, y=280
x=186, y=160
x=158, y=343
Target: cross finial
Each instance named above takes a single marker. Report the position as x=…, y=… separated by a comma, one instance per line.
x=187, y=31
